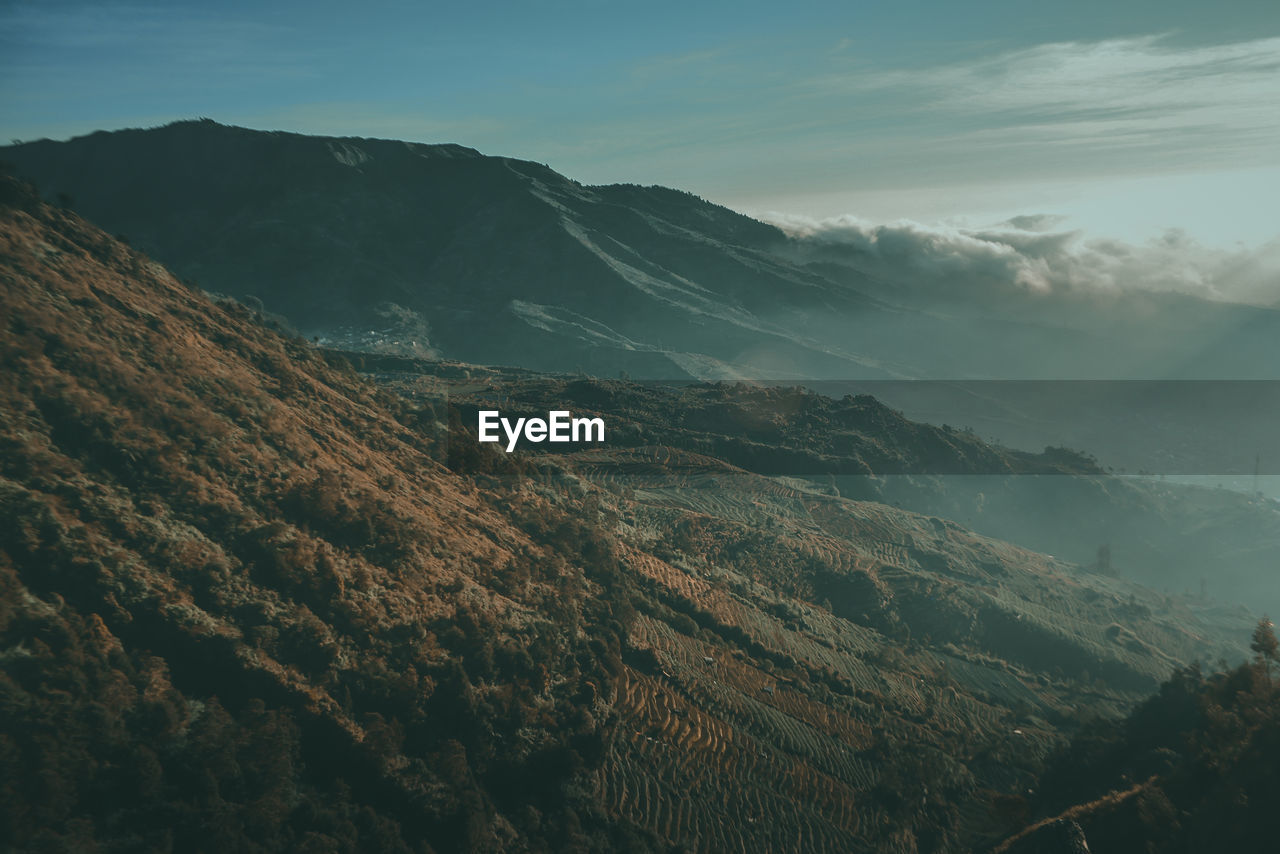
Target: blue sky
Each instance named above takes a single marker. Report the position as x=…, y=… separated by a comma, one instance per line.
x=1124, y=117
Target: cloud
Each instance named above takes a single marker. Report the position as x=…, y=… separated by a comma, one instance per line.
x=1072, y=90
x=1021, y=256
x=1116, y=106
x=1034, y=222
x=734, y=126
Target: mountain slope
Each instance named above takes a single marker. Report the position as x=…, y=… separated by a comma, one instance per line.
x=238, y=589
x=1192, y=769
x=253, y=602
x=507, y=260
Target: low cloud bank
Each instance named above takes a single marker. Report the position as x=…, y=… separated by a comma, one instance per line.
x=1025, y=255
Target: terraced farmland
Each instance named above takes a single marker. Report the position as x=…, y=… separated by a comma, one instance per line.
x=807, y=660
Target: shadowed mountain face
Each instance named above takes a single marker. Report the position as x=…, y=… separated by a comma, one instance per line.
x=375, y=244
x=251, y=601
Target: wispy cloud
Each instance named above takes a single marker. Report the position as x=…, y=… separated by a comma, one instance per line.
x=1140, y=92
x=785, y=121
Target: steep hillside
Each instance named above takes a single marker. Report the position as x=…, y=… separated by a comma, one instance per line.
x=246, y=609
x=252, y=602
x=1192, y=769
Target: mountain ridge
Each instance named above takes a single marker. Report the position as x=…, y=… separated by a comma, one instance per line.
x=496, y=260
x=483, y=199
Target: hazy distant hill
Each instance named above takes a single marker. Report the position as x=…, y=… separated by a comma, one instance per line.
x=508, y=262
x=251, y=601
x=1220, y=546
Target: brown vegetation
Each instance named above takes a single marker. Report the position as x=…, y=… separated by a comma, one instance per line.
x=250, y=601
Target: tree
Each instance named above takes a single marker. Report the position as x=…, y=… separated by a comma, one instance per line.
x=1104, y=559
x=1265, y=644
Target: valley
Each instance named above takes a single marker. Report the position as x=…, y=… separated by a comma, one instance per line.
x=258, y=593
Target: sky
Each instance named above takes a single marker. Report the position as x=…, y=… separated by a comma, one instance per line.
x=1121, y=118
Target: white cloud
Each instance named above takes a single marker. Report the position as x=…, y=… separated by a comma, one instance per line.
x=1120, y=93
x=1021, y=256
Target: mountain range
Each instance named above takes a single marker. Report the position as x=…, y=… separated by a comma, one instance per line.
x=379, y=244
